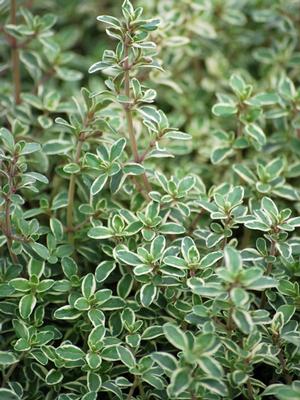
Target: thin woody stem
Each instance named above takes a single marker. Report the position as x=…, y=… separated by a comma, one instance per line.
x=128, y=114
x=8, y=229
x=11, y=370
x=268, y=272
x=15, y=58
x=71, y=194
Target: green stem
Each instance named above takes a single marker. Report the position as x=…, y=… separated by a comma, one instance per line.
x=71, y=193
x=128, y=114
x=15, y=59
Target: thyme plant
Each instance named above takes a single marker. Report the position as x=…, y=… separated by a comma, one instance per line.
x=149, y=200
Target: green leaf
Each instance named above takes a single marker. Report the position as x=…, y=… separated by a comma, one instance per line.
x=165, y=360
x=171, y=228
x=40, y=250
x=239, y=297
x=180, y=381
x=95, y=337
x=56, y=228
x=98, y=66
x=237, y=84
x=20, y=284
x=210, y=366
x=257, y=134
x=98, y=184
x=282, y=392
x=71, y=168
x=109, y=20
x=126, y=356
x=117, y=149
x=220, y=154
x=94, y=382
x=150, y=113
x=7, y=358
x=270, y=207
x=157, y=247
x=128, y=257
x=147, y=294
x=100, y=232
x=224, y=109
x=7, y=138
x=103, y=270
x=7, y=394
x=152, y=332
x=243, y=320
x=88, y=285
x=54, y=377
x=245, y=173
x=214, y=385
x=263, y=99
x=211, y=259
x=70, y=352
x=133, y=169
x=233, y=260
x=287, y=88
x=26, y=305
x=67, y=312
x=54, y=147
x=175, y=336
x=30, y=148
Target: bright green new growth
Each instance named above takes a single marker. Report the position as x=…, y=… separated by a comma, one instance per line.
x=139, y=261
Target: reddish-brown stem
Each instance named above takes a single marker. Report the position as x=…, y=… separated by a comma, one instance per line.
x=8, y=231
x=195, y=221
x=15, y=59
x=287, y=377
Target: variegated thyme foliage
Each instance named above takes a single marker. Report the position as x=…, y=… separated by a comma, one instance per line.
x=149, y=243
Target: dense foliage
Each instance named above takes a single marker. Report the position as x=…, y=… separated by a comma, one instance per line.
x=149, y=222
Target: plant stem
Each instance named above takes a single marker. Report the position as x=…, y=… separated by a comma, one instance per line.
x=230, y=323
x=71, y=193
x=250, y=389
x=15, y=59
x=8, y=230
x=287, y=377
x=195, y=221
x=141, y=389
x=268, y=272
x=128, y=113
x=11, y=370
x=133, y=387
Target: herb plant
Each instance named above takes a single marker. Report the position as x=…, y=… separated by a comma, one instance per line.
x=149, y=209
